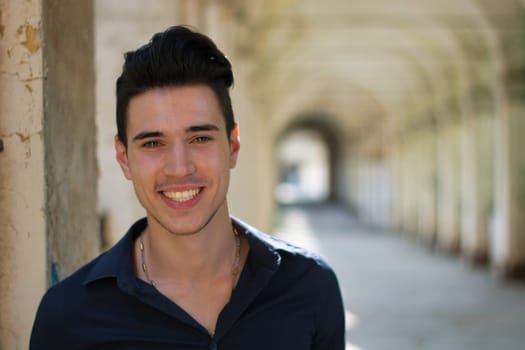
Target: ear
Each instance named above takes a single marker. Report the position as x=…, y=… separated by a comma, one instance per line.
x=235, y=146
x=122, y=157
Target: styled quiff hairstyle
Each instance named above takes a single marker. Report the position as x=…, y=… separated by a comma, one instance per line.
x=176, y=57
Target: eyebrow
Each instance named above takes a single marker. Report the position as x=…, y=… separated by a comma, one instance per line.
x=192, y=129
x=146, y=135
x=203, y=127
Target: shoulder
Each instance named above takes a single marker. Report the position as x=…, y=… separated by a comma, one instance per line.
x=307, y=281
x=67, y=305
x=65, y=297
x=307, y=268
x=59, y=308
x=297, y=256
x=292, y=264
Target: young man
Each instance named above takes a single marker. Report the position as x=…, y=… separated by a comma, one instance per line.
x=188, y=276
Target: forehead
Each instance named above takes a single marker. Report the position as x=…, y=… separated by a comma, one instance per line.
x=174, y=107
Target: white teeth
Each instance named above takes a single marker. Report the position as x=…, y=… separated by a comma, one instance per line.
x=182, y=196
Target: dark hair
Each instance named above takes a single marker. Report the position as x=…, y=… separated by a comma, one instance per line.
x=178, y=56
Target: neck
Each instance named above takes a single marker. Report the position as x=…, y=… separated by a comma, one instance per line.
x=201, y=256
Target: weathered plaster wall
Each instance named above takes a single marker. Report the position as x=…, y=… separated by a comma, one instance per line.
x=22, y=195
x=70, y=135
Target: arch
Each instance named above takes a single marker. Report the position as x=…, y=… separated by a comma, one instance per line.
x=326, y=128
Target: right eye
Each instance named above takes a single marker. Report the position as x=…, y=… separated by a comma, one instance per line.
x=151, y=144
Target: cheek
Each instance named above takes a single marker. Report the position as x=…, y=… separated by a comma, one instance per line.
x=143, y=167
x=221, y=162
x=210, y=158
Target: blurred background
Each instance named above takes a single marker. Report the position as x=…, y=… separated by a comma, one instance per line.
x=385, y=134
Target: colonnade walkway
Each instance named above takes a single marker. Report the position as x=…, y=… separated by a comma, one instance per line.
x=401, y=295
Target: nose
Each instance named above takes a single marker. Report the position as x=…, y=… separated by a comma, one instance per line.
x=178, y=161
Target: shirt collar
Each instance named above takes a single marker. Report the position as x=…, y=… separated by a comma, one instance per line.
x=263, y=252
x=118, y=261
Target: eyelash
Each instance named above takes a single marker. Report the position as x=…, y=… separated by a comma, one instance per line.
x=151, y=144
x=202, y=139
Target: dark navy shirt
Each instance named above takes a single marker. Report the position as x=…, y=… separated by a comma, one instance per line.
x=286, y=299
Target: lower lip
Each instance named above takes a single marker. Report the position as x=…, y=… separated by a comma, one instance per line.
x=182, y=205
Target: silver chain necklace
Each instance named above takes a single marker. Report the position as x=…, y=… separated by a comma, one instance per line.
x=235, y=267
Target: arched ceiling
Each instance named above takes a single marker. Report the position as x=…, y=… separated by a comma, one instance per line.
x=372, y=64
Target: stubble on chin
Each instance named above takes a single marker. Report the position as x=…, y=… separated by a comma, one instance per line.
x=189, y=233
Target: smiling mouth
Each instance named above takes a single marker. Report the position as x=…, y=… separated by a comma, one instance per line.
x=182, y=196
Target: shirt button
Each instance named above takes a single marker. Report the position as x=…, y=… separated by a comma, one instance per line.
x=213, y=346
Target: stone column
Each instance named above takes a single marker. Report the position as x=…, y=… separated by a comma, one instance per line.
x=476, y=181
x=407, y=196
x=448, y=213
x=253, y=180
x=70, y=136
x=426, y=169
x=507, y=239
x=515, y=262
x=395, y=163
x=22, y=172
x=507, y=248
x=47, y=158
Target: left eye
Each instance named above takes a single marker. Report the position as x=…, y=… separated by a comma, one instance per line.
x=202, y=139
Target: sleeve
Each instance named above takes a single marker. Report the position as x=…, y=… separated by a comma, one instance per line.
x=330, y=320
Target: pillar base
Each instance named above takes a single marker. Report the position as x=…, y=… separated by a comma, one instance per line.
x=476, y=258
x=509, y=271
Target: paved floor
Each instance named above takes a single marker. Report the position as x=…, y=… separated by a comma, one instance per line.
x=400, y=295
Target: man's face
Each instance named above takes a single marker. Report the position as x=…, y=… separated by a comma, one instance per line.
x=179, y=157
